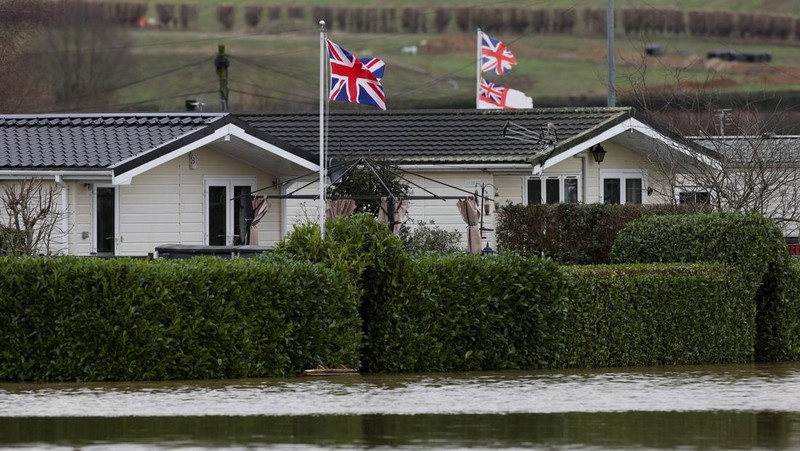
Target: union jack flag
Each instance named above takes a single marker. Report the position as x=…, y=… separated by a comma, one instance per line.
x=355, y=80
x=496, y=58
x=491, y=93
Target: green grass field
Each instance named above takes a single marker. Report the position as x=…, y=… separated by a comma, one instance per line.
x=280, y=70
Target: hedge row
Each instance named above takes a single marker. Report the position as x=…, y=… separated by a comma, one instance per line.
x=644, y=315
x=571, y=233
x=90, y=319
x=413, y=19
x=74, y=319
x=749, y=241
x=467, y=312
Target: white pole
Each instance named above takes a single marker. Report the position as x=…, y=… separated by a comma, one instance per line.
x=322, y=53
x=610, y=34
x=478, y=73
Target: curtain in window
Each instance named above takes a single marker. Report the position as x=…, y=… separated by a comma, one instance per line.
x=400, y=213
x=261, y=206
x=337, y=208
x=471, y=214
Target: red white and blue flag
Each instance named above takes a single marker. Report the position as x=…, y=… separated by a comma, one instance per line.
x=497, y=97
x=355, y=80
x=496, y=58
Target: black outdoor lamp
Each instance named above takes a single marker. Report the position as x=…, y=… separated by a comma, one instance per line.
x=598, y=153
x=487, y=250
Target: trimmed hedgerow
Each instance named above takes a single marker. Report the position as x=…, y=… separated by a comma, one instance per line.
x=375, y=258
x=657, y=314
x=467, y=312
x=77, y=319
x=749, y=241
x=571, y=233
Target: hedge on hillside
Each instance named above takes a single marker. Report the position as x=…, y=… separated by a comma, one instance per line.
x=78, y=319
x=371, y=254
x=643, y=315
x=571, y=233
x=749, y=241
x=467, y=312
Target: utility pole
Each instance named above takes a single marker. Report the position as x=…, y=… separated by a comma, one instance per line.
x=221, y=62
x=610, y=36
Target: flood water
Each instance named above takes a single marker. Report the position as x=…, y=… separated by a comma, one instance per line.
x=717, y=407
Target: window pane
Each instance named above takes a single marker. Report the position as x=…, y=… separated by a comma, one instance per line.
x=534, y=191
x=552, y=186
x=216, y=215
x=633, y=191
x=611, y=191
x=571, y=191
x=241, y=212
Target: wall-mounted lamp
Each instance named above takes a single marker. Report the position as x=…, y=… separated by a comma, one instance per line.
x=88, y=186
x=192, y=161
x=598, y=153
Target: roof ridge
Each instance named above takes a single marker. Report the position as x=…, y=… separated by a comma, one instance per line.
x=109, y=115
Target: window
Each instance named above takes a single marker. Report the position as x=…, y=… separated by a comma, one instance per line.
x=227, y=210
x=624, y=188
x=694, y=197
x=552, y=189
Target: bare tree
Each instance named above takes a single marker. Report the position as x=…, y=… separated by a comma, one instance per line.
x=736, y=161
x=81, y=55
x=32, y=217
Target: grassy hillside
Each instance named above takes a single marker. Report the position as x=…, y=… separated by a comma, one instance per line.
x=276, y=66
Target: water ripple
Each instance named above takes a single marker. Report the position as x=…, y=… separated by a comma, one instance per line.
x=723, y=388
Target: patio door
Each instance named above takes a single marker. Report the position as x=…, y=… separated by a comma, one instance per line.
x=104, y=221
x=227, y=210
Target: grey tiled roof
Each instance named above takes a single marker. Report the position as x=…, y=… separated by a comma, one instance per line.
x=434, y=136
x=89, y=141
x=98, y=141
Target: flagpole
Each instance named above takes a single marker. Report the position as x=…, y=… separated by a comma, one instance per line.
x=478, y=71
x=322, y=53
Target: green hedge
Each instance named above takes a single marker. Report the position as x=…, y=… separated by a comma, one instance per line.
x=374, y=257
x=467, y=312
x=749, y=241
x=73, y=319
x=571, y=233
x=642, y=315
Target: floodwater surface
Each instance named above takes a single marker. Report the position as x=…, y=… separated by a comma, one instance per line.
x=730, y=407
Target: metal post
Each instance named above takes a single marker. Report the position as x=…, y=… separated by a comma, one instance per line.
x=322, y=54
x=610, y=35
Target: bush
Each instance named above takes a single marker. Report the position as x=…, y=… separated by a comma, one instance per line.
x=427, y=238
x=467, y=312
x=749, y=241
x=570, y=233
x=81, y=319
x=642, y=315
x=370, y=253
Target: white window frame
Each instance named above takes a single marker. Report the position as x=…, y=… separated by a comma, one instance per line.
x=561, y=191
x=228, y=181
x=691, y=189
x=94, y=216
x=622, y=175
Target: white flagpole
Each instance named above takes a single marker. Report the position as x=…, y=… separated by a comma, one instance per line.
x=322, y=53
x=478, y=73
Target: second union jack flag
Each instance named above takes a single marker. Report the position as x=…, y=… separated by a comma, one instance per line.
x=496, y=58
x=355, y=80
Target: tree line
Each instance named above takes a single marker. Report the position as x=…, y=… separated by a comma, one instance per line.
x=416, y=19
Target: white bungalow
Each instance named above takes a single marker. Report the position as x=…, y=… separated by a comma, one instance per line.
x=132, y=182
